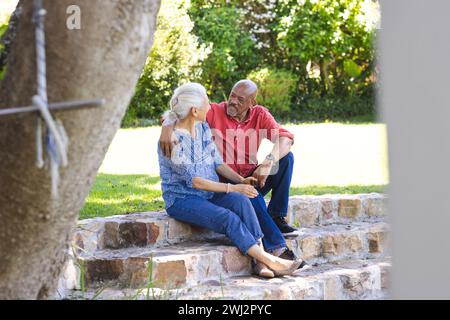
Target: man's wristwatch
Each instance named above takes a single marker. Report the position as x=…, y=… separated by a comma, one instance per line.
x=270, y=157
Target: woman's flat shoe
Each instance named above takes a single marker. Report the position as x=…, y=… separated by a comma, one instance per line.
x=286, y=272
x=263, y=272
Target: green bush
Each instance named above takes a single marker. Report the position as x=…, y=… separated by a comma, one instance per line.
x=331, y=45
x=218, y=25
x=276, y=89
x=3, y=28
x=335, y=108
x=174, y=59
x=313, y=59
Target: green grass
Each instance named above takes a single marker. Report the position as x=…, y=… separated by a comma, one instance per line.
x=350, y=189
x=124, y=194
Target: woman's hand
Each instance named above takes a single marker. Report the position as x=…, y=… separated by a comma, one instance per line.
x=245, y=189
x=251, y=181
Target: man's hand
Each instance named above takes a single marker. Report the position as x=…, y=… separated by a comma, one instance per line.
x=262, y=173
x=251, y=181
x=167, y=140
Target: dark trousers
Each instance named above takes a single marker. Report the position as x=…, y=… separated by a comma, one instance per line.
x=280, y=184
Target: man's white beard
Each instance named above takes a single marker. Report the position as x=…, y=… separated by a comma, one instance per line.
x=232, y=112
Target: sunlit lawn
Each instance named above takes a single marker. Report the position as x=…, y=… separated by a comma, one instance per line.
x=122, y=194
x=329, y=158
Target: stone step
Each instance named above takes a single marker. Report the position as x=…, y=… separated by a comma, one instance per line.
x=157, y=229
x=190, y=263
x=347, y=280
x=359, y=240
x=147, y=229
x=184, y=264
x=305, y=211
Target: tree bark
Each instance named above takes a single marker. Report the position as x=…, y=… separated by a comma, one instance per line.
x=102, y=60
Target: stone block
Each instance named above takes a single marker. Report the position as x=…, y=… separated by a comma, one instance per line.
x=361, y=284
x=170, y=274
x=133, y=234
x=111, y=235
x=354, y=243
x=234, y=262
x=155, y=233
x=328, y=209
x=384, y=274
x=375, y=205
x=125, y=234
x=333, y=245
x=377, y=241
x=331, y=289
x=179, y=230
x=311, y=247
x=350, y=208
x=138, y=272
x=306, y=212
x=103, y=269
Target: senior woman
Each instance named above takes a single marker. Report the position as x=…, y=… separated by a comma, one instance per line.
x=191, y=189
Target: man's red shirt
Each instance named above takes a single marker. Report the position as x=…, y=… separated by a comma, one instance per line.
x=239, y=141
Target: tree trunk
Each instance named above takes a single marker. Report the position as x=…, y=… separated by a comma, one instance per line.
x=102, y=60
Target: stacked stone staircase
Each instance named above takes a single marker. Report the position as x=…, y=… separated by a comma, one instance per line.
x=150, y=255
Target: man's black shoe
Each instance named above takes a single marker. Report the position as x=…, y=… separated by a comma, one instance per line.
x=286, y=230
x=290, y=255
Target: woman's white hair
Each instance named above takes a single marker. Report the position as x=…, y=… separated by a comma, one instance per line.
x=184, y=98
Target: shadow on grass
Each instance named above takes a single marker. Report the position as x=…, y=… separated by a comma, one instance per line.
x=123, y=194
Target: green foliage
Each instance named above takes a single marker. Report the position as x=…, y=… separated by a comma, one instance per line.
x=218, y=24
x=334, y=108
x=174, y=59
x=333, y=37
x=3, y=28
x=123, y=194
x=352, y=69
x=2, y=73
x=276, y=89
x=324, y=47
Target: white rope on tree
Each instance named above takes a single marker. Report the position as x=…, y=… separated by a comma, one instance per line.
x=57, y=140
x=38, y=19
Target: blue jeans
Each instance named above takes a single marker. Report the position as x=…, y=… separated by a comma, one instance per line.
x=280, y=184
x=273, y=238
x=230, y=214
